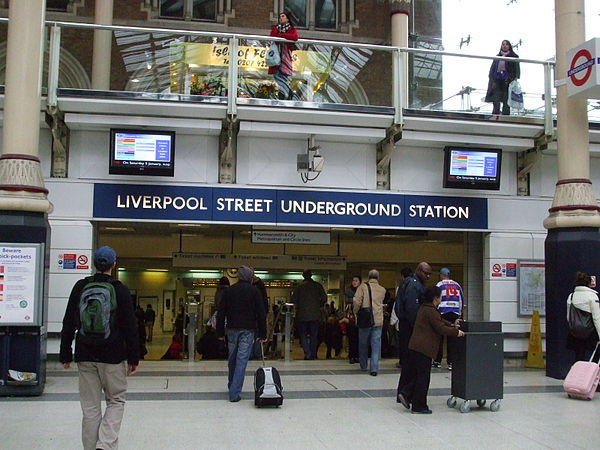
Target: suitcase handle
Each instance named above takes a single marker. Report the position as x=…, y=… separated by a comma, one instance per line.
x=262, y=353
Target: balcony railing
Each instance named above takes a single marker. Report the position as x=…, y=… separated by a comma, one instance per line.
x=207, y=66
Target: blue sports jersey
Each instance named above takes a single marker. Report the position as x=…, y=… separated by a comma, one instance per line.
x=452, y=297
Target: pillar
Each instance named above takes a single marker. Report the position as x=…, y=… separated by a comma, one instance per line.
x=102, y=46
x=400, y=12
x=24, y=201
x=21, y=181
x=573, y=242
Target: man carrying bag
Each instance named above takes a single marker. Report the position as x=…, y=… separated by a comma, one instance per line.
x=369, y=320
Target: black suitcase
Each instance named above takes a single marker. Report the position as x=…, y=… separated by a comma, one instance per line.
x=268, y=390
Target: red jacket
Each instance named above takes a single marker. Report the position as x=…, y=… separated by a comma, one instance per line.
x=285, y=50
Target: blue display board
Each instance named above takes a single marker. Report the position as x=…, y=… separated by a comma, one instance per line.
x=287, y=206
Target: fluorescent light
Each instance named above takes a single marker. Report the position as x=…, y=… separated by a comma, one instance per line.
x=121, y=268
x=157, y=270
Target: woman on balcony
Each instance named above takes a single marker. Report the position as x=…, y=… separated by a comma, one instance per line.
x=284, y=29
x=501, y=74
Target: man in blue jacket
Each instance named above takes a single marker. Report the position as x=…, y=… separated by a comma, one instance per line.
x=243, y=307
x=406, y=306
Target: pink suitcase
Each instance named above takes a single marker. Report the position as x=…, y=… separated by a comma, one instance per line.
x=582, y=379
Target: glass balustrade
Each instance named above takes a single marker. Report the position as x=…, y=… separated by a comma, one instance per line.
x=197, y=66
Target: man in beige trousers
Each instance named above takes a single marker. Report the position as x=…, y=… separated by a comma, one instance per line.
x=100, y=316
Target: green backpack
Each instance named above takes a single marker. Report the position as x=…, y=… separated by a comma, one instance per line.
x=97, y=312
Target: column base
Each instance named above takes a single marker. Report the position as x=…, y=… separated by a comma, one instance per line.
x=567, y=250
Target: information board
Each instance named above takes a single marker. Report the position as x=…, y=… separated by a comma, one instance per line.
x=532, y=287
x=20, y=284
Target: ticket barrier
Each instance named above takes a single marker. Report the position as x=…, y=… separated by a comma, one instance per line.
x=288, y=311
x=191, y=312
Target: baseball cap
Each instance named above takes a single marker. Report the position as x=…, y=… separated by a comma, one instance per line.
x=445, y=271
x=105, y=255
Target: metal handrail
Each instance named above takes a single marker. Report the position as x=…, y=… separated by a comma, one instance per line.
x=212, y=34
x=399, y=97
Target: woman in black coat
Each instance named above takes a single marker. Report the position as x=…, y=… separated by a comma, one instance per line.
x=500, y=76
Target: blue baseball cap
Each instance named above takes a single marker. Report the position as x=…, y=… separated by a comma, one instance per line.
x=105, y=255
x=445, y=271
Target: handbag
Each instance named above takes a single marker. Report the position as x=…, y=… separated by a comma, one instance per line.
x=515, y=95
x=364, y=318
x=273, y=57
x=581, y=325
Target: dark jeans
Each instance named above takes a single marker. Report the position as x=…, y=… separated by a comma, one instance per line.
x=352, y=333
x=414, y=380
x=308, y=328
x=451, y=342
x=404, y=334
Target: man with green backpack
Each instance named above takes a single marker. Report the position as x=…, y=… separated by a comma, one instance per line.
x=100, y=316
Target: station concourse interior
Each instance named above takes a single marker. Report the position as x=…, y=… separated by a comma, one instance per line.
x=145, y=265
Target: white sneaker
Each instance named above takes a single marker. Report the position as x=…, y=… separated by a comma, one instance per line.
x=449, y=366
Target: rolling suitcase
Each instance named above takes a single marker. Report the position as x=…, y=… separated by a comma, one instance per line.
x=268, y=390
x=582, y=379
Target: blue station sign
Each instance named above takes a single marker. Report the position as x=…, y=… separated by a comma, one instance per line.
x=287, y=207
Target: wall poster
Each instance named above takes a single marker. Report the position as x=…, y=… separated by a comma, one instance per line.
x=532, y=287
x=20, y=283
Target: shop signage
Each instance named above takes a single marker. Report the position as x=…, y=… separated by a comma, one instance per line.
x=288, y=262
x=287, y=207
x=583, y=70
x=198, y=55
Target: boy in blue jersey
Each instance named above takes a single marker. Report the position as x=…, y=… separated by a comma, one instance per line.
x=450, y=308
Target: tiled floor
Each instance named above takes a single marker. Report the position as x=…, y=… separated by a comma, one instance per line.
x=329, y=404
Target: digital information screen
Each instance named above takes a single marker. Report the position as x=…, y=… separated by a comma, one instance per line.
x=150, y=150
x=473, y=165
x=136, y=152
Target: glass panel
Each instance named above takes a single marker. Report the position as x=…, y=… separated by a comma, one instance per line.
x=320, y=74
x=205, y=9
x=465, y=86
x=325, y=14
x=158, y=63
x=57, y=5
x=172, y=8
x=298, y=9
x=594, y=111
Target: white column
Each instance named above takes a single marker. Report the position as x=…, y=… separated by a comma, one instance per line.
x=102, y=46
x=573, y=188
x=400, y=12
x=21, y=181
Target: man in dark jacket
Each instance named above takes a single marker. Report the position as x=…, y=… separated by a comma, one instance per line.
x=102, y=366
x=406, y=306
x=242, y=306
x=309, y=298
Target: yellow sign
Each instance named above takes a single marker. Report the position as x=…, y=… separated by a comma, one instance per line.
x=197, y=55
x=535, y=355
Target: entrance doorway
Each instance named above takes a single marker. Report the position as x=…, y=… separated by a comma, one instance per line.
x=147, y=264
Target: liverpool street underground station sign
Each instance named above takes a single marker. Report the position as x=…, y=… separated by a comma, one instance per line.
x=287, y=207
